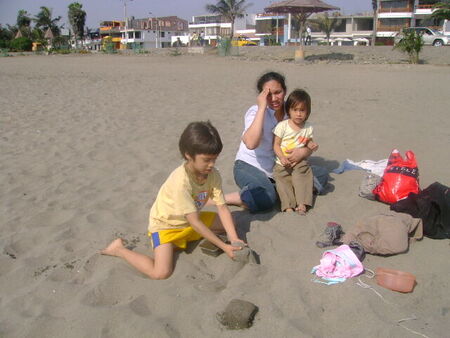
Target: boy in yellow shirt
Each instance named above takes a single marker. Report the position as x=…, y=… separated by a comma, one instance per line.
x=175, y=217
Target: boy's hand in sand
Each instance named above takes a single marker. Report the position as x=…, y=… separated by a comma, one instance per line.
x=230, y=249
x=262, y=98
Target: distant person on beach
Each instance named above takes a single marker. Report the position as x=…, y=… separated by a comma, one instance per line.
x=253, y=167
x=294, y=183
x=194, y=39
x=308, y=36
x=175, y=217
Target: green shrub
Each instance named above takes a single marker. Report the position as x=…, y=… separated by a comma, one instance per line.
x=224, y=47
x=411, y=43
x=5, y=44
x=22, y=44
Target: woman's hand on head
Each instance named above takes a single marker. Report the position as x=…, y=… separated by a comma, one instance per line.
x=262, y=98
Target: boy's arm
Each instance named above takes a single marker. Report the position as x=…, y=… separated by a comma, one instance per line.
x=228, y=223
x=278, y=151
x=194, y=220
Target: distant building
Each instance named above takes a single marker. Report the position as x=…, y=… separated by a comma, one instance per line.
x=110, y=32
x=152, y=32
x=281, y=29
x=393, y=16
x=212, y=27
x=398, y=14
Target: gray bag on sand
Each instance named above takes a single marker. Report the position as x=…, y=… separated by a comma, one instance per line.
x=320, y=178
x=369, y=182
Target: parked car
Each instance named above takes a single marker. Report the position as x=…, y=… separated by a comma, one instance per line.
x=242, y=41
x=430, y=36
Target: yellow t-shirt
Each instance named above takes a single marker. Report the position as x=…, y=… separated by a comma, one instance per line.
x=180, y=195
x=290, y=138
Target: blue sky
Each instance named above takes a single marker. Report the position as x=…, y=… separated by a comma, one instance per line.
x=99, y=10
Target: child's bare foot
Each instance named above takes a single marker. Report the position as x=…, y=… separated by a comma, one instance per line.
x=301, y=209
x=113, y=248
x=288, y=210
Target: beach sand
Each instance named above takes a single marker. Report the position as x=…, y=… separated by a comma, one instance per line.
x=86, y=141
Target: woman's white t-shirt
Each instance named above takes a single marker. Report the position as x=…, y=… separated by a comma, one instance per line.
x=263, y=157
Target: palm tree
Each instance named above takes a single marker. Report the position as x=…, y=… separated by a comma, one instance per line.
x=23, y=19
x=230, y=9
x=77, y=19
x=23, y=22
x=326, y=24
x=375, y=20
x=44, y=21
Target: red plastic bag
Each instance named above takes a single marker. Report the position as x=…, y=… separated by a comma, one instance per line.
x=400, y=178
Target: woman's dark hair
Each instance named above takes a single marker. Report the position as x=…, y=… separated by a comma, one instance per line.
x=269, y=77
x=296, y=97
x=200, y=138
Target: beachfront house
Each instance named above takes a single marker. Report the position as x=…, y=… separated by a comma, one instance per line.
x=152, y=32
x=280, y=29
x=394, y=15
x=110, y=35
x=212, y=27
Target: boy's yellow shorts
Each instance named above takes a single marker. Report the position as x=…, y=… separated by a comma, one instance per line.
x=180, y=237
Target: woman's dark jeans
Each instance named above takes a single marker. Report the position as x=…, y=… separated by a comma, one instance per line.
x=257, y=190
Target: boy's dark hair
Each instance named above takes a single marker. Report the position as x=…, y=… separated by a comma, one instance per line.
x=269, y=77
x=200, y=138
x=296, y=97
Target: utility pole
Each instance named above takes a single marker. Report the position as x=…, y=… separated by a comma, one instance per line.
x=157, y=30
x=126, y=21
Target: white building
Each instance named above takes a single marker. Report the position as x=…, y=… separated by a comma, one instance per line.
x=152, y=32
x=212, y=27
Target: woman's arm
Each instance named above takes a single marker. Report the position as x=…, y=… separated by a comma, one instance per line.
x=252, y=136
x=298, y=154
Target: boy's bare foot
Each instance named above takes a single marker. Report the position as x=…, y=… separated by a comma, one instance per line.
x=288, y=210
x=301, y=209
x=113, y=248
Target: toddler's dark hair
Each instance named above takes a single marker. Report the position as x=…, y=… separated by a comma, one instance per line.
x=200, y=138
x=269, y=77
x=296, y=97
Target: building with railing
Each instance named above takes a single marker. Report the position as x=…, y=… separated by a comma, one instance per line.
x=283, y=29
x=394, y=15
x=110, y=32
x=152, y=32
x=212, y=27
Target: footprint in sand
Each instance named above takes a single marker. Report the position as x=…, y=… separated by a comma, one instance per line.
x=139, y=306
x=51, y=218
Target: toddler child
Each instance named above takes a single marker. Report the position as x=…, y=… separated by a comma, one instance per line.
x=175, y=217
x=294, y=182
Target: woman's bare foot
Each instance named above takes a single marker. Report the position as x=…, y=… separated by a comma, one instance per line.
x=234, y=198
x=288, y=210
x=301, y=209
x=113, y=249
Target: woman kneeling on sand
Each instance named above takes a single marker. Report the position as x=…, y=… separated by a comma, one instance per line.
x=255, y=157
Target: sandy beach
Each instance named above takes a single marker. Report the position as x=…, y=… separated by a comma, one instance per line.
x=87, y=140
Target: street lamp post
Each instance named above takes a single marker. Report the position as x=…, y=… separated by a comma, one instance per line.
x=157, y=30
